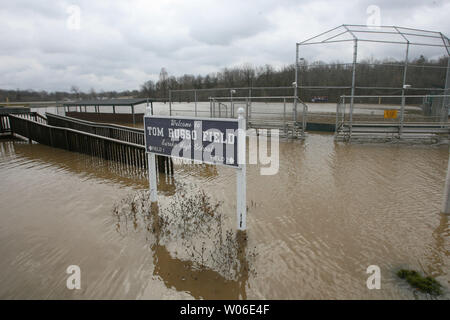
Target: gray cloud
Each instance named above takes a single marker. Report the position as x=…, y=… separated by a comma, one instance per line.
x=122, y=44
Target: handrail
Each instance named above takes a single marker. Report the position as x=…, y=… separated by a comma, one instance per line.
x=95, y=124
x=129, y=153
x=108, y=130
x=82, y=133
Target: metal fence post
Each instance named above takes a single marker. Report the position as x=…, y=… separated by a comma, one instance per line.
x=170, y=102
x=284, y=117
x=246, y=112
x=210, y=107
x=338, y=111
x=402, y=110
x=232, y=105
x=446, y=92
x=195, y=99
x=296, y=82
x=355, y=57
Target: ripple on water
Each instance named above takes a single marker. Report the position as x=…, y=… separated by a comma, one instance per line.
x=332, y=210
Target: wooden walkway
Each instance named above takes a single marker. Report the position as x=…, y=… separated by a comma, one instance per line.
x=23, y=112
x=110, y=142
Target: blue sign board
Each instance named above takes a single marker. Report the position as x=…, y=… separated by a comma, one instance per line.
x=202, y=140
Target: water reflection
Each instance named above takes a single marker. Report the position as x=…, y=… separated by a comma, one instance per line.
x=86, y=165
x=183, y=275
x=330, y=211
x=436, y=265
x=201, y=284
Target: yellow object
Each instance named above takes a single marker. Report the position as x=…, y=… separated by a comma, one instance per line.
x=390, y=114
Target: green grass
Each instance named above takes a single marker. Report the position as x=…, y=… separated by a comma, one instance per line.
x=424, y=284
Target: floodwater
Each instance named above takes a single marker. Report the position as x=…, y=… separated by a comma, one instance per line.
x=331, y=211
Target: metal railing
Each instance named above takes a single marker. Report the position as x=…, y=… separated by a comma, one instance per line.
x=267, y=112
x=5, y=126
x=390, y=115
x=99, y=144
x=122, y=133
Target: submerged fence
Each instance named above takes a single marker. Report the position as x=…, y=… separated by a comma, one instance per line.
x=118, y=132
x=64, y=137
x=285, y=112
x=5, y=126
x=417, y=116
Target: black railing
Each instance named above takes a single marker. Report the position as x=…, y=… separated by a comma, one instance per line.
x=113, y=131
x=88, y=143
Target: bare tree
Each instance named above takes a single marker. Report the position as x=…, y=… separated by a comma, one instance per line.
x=163, y=83
x=148, y=89
x=76, y=91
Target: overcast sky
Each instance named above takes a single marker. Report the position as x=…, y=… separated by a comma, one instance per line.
x=117, y=45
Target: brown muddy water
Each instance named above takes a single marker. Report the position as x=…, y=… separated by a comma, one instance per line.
x=330, y=212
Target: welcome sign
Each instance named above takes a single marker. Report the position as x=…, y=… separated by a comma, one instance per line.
x=205, y=140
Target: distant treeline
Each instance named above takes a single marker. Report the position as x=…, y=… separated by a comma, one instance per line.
x=422, y=73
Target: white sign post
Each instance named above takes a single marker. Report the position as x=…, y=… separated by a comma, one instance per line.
x=159, y=139
x=152, y=176
x=152, y=169
x=241, y=180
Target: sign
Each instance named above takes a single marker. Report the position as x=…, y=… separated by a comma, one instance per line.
x=390, y=114
x=203, y=140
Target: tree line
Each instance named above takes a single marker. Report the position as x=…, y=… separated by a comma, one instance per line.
x=422, y=73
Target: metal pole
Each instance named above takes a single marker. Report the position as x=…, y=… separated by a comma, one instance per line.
x=195, y=98
x=170, y=102
x=132, y=111
x=446, y=92
x=355, y=56
x=246, y=112
x=152, y=169
x=343, y=111
x=446, y=200
x=304, y=124
x=284, y=117
x=296, y=82
x=402, y=110
x=241, y=184
x=338, y=111
x=210, y=107
x=232, y=106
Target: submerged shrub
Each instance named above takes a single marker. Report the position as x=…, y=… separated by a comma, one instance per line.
x=424, y=284
x=192, y=228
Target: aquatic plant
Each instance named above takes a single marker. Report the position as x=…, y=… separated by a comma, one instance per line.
x=425, y=284
x=192, y=227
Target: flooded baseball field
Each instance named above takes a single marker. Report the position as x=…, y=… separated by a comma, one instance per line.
x=332, y=210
